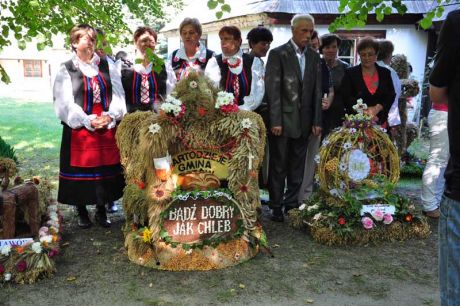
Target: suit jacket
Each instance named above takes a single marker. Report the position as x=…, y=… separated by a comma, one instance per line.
x=354, y=88
x=293, y=103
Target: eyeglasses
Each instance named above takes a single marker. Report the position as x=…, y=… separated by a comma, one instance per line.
x=367, y=54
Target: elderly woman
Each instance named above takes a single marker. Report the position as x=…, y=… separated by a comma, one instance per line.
x=144, y=87
x=89, y=101
x=192, y=55
x=333, y=70
x=259, y=40
x=369, y=82
x=237, y=72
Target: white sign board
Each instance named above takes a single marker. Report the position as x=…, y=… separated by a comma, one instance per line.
x=19, y=241
x=385, y=208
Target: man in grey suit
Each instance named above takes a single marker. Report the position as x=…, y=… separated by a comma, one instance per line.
x=293, y=91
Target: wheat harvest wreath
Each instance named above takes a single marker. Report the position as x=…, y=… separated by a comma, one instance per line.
x=192, y=185
x=358, y=167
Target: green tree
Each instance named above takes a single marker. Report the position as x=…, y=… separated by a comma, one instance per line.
x=354, y=13
x=24, y=20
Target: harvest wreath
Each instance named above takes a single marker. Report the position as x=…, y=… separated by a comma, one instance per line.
x=358, y=167
x=202, y=153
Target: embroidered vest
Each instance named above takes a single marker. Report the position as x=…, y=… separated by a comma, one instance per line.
x=244, y=78
x=132, y=80
x=180, y=66
x=82, y=90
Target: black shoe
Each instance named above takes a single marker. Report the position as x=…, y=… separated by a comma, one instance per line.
x=101, y=217
x=112, y=207
x=277, y=215
x=83, y=218
x=287, y=209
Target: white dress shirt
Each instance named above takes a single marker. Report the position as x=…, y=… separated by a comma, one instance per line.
x=256, y=94
x=64, y=102
x=300, y=57
x=393, y=115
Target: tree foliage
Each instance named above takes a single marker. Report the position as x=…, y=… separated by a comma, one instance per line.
x=24, y=20
x=354, y=13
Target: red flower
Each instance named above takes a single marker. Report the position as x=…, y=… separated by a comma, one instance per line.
x=21, y=266
x=408, y=218
x=2, y=269
x=231, y=108
x=53, y=253
x=244, y=188
x=141, y=185
x=341, y=220
x=202, y=111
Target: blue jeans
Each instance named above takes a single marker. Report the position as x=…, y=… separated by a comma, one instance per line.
x=449, y=252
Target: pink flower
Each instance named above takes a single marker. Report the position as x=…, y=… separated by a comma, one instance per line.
x=367, y=223
x=53, y=253
x=43, y=231
x=387, y=219
x=21, y=266
x=377, y=215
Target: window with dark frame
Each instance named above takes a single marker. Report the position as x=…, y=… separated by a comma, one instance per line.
x=33, y=68
x=350, y=39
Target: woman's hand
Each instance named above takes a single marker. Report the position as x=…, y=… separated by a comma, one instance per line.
x=326, y=103
x=101, y=122
x=373, y=110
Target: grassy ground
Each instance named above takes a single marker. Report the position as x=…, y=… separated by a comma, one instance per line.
x=35, y=133
x=93, y=268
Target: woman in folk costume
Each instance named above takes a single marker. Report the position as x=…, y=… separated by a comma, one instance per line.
x=237, y=72
x=192, y=55
x=89, y=100
x=145, y=88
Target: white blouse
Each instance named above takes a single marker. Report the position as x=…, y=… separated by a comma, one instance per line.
x=171, y=77
x=256, y=95
x=64, y=102
x=200, y=55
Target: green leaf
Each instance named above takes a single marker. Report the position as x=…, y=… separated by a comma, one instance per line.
x=33, y=3
x=212, y=4
x=5, y=31
x=219, y=15
x=21, y=44
x=4, y=76
x=226, y=8
x=439, y=11
x=164, y=234
x=41, y=46
x=426, y=23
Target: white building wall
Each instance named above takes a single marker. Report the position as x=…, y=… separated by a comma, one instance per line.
x=32, y=88
x=407, y=40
